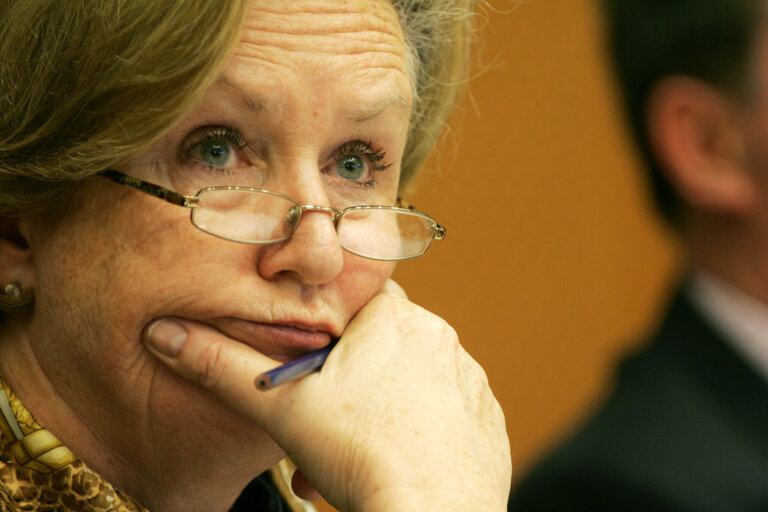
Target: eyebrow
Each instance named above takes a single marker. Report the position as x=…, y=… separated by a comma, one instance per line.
x=253, y=102
x=367, y=113
x=257, y=103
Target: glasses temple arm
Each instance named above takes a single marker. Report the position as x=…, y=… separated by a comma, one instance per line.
x=439, y=232
x=150, y=188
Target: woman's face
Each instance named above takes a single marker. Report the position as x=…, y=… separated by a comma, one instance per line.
x=314, y=104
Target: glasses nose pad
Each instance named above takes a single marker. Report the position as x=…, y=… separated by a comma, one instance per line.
x=292, y=218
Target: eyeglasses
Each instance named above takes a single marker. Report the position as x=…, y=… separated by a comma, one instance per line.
x=257, y=216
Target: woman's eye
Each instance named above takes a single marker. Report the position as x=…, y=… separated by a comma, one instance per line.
x=352, y=167
x=357, y=162
x=216, y=153
x=218, y=148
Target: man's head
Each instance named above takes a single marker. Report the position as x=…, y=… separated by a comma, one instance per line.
x=675, y=60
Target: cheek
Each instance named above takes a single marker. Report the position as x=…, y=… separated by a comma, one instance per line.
x=104, y=273
x=102, y=262
x=360, y=280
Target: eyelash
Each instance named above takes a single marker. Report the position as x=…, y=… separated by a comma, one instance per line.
x=232, y=135
x=209, y=133
x=365, y=149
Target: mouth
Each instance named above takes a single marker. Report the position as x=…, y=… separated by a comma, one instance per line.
x=282, y=342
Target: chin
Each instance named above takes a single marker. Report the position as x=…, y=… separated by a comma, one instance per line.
x=205, y=420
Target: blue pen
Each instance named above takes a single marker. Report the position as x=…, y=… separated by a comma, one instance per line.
x=292, y=370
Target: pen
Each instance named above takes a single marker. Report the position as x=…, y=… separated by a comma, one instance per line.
x=292, y=370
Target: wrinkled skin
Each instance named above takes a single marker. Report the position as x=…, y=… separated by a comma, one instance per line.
x=308, y=83
x=399, y=418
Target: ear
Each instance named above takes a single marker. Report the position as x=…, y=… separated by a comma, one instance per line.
x=15, y=255
x=695, y=133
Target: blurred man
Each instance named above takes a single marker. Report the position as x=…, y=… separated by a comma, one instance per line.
x=686, y=427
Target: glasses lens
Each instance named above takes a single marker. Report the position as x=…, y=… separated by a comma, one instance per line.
x=250, y=216
x=385, y=234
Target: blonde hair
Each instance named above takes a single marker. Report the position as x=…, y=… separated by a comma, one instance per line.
x=439, y=35
x=85, y=85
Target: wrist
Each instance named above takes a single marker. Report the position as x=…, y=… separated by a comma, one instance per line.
x=428, y=499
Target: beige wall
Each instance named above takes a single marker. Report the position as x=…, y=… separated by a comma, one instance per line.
x=553, y=263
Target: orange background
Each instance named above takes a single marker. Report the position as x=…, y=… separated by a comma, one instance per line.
x=554, y=264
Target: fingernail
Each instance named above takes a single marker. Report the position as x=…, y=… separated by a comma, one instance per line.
x=167, y=337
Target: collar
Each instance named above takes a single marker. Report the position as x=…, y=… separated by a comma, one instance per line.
x=742, y=319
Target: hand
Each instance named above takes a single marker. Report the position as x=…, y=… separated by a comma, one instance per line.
x=399, y=418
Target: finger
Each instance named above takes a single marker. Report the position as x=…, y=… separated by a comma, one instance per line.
x=392, y=288
x=225, y=367
x=303, y=488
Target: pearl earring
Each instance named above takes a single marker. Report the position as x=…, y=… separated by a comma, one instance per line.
x=12, y=289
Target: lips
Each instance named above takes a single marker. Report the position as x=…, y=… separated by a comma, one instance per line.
x=281, y=342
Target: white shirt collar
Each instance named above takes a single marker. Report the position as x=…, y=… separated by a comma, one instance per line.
x=741, y=318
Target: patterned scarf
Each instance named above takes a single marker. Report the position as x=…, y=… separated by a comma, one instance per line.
x=38, y=473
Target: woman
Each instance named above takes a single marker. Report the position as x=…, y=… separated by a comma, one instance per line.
x=131, y=339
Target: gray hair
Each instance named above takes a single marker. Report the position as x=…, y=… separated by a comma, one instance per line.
x=439, y=36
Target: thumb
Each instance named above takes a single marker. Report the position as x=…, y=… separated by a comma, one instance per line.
x=225, y=367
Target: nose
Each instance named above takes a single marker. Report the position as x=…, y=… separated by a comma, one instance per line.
x=313, y=253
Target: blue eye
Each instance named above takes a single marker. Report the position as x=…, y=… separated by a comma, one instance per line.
x=356, y=162
x=351, y=167
x=215, y=153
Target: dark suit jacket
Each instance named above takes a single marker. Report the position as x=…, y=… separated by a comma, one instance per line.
x=686, y=429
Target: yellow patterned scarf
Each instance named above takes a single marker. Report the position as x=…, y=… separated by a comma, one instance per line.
x=38, y=473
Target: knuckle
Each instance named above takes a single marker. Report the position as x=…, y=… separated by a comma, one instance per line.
x=496, y=419
x=437, y=336
x=391, y=303
x=477, y=373
x=392, y=288
x=448, y=333
x=475, y=381
x=433, y=324
x=494, y=407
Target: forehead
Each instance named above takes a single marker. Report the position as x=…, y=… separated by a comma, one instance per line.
x=321, y=49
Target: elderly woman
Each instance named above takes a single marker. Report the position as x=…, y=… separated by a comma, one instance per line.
x=131, y=337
